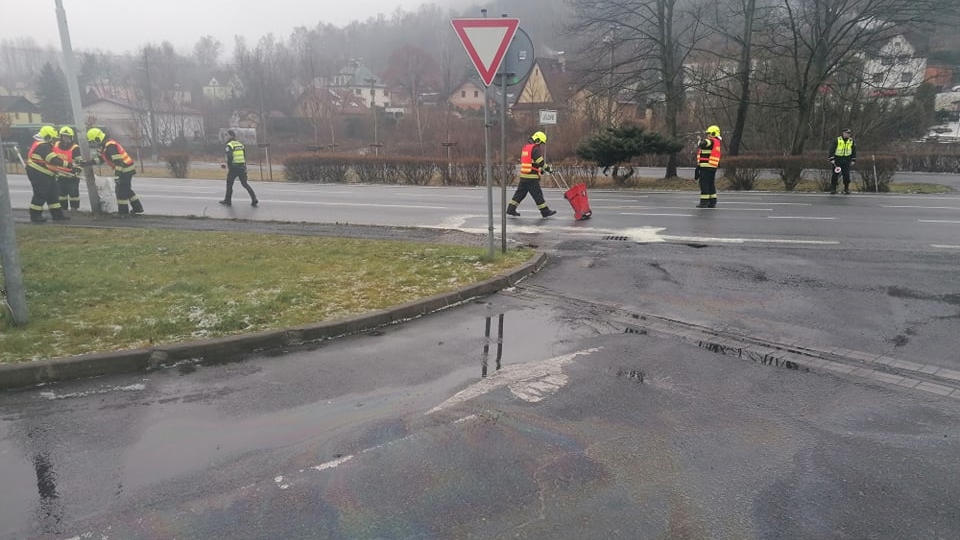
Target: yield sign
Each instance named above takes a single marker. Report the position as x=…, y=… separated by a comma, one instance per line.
x=486, y=42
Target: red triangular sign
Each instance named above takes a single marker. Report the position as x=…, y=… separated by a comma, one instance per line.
x=486, y=42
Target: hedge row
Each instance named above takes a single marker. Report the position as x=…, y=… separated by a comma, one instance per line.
x=875, y=172
x=418, y=171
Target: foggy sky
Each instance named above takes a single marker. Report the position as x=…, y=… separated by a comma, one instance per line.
x=119, y=26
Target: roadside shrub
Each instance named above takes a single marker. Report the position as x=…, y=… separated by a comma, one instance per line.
x=885, y=168
x=742, y=172
x=310, y=167
x=178, y=163
x=930, y=162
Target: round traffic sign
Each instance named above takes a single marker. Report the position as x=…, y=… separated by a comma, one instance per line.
x=517, y=62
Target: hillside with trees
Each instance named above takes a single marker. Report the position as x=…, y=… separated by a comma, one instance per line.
x=780, y=76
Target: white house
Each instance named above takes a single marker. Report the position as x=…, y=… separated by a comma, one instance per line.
x=222, y=87
x=895, y=68
x=362, y=83
x=131, y=122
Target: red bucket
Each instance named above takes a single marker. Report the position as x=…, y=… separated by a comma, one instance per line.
x=577, y=196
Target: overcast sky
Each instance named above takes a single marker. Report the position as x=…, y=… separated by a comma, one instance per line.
x=124, y=25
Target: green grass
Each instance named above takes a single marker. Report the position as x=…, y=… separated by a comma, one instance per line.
x=96, y=290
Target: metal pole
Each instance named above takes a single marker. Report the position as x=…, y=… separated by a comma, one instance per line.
x=876, y=179
x=486, y=161
x=14, y=294
x=503, y=159
x=154, y=143
x=70, y=72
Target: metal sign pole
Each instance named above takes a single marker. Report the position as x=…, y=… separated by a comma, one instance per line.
x=503, y=163
x=13, y=293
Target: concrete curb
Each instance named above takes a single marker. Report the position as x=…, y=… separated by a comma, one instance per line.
x=234, y=348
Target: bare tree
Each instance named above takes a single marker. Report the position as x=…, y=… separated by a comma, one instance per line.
x=207, y=51
x=414, y=70
x=653, y=39
x=810, y=41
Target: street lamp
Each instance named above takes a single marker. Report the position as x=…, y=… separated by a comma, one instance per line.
x=372, y=81
x=609, y=40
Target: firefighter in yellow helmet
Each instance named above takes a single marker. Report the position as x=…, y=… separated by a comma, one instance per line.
x=110, y=152
x=68, y=179
x=708, y=159
x=532, y=168
x=42, y=163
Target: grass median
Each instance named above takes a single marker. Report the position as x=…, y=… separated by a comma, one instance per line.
x=98, y=290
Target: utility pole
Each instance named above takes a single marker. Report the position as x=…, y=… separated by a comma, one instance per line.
x=373, y=106
x=151, y=115
x=70, y=71
x=13, y=294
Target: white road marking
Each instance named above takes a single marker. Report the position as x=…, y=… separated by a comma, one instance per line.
x=727, y=203
x=923, y=207
x=674, y=208
x=333, y=463
x=802, y=217
x=322, y=203
x=944, y=246
x=747, y=240
x=653, y=214
x=530, y=382
x=937, y=221
x=51, y=395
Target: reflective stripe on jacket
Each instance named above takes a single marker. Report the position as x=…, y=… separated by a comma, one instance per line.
x=67, y=156
x=844, y=147
x=40, y=157
x=235, y=153
x=530, y=162
x=117, y=154
x=710, y=157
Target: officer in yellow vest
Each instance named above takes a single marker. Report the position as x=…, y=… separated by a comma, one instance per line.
x=842, y=157
x=236, y=166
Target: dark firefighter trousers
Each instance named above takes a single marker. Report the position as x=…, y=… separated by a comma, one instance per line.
x=126, y=198
x=44, y=192
x=531, y=186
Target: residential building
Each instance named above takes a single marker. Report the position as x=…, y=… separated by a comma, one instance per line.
x=223, y=87
x=897, y=68
x=19, y=111
x=131, y=121
x=360, y=81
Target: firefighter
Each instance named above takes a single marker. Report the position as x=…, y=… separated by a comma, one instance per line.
x=532, y=168
x=842, y=157
x=708, y=159
x=68, y=179
x=236, y=166
x=42, y=161
x=110, y=152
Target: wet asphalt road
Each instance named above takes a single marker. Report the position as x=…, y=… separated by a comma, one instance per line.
x=588, y=429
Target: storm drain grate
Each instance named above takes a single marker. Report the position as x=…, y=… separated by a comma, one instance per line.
x=615, y=237
x=632, y=374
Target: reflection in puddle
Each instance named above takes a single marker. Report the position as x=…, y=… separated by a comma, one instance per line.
x=486, y=345
x=50, y=509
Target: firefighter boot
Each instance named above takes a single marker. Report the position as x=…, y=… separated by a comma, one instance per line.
x=58, y=214
x=136, y=206
x=512, y=210
x=36, y=216
x=547, y=212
